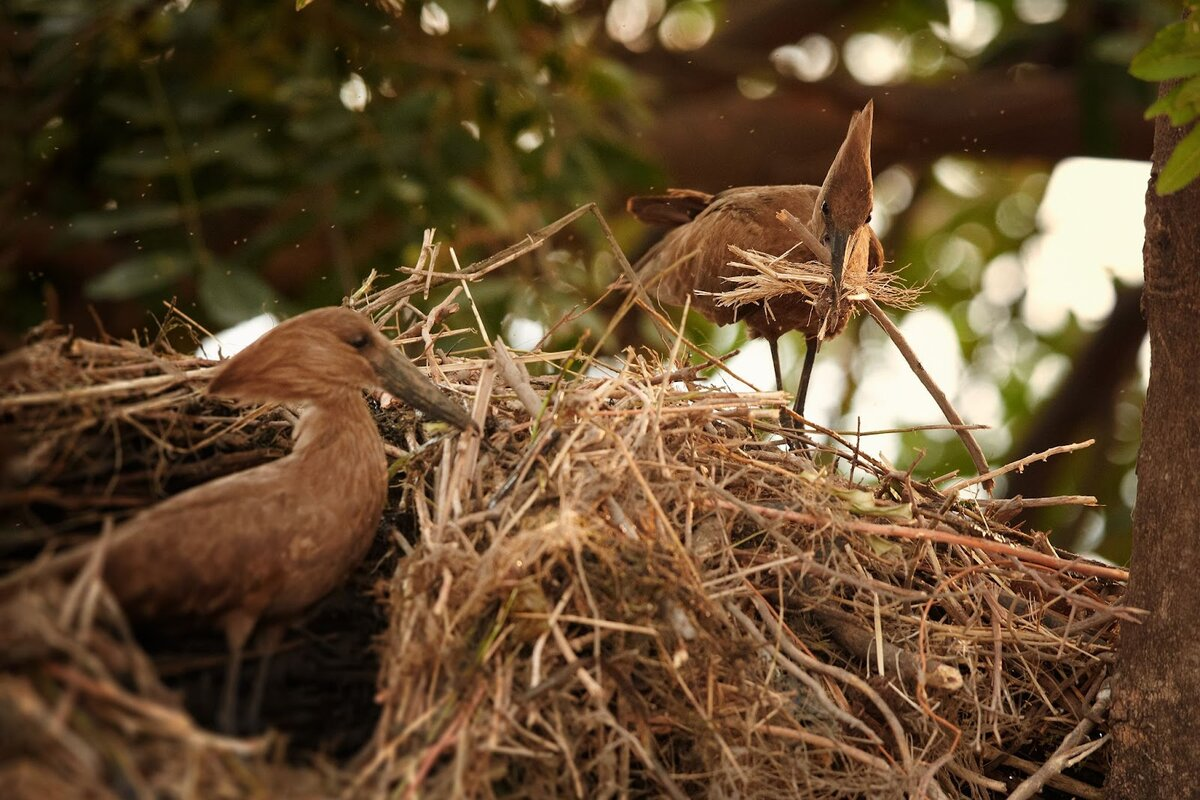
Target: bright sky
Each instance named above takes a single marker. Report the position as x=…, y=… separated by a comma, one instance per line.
x=231, y=340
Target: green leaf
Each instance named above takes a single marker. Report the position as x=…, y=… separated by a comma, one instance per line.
x=1187, y=102
x=479, y=201
x=240, y=146
x=1183, y=166
x=230, y=295
x=1181, y=104
x=1164, y=104
x=241, y=197
x=302, y=4
x=150, y=161
x=1174, y=53
x=102, y=224
x=139, y=275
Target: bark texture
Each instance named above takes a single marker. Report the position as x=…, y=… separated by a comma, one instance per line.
x=1156, y=728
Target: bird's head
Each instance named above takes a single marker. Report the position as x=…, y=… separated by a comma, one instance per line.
x=325, y=352
x=846, y=198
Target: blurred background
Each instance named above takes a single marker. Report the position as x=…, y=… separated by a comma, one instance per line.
x=242, y=158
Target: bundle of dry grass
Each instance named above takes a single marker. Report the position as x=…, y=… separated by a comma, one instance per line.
x=768, y=277
x=635, y=589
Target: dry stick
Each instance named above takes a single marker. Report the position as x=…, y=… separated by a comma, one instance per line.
x=806, y=234
x=514, y=374
x=1063, y=755
x=169, y=722
x=511, y=253
x=862, y=643
x=1018, y=502
x=1019, y=464
x=141, y=385
x=913, y=428
x=825, y=743
x=1022, y=554
x=937, y=394
x=1073, y=786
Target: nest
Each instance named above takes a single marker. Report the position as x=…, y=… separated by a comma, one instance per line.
x=641, y=586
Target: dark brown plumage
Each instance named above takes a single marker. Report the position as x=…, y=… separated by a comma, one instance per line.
x=260, y=546
x=693, y=258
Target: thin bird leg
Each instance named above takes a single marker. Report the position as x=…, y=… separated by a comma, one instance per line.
x=774, y=343
x=811, y=345
x=238, y=627
x=268, y=640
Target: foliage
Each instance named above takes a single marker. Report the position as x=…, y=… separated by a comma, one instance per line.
x=242, y=156
x=239, y=155
x=1175, y=55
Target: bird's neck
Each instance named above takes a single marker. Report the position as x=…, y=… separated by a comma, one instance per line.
x=339, y=430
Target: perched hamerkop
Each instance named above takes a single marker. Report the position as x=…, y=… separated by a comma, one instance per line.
x=256, y=548
x=692, y=260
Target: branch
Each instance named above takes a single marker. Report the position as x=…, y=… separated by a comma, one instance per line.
x=960, y=427
x=951, y=491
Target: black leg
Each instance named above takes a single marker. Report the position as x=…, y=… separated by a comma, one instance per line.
x=784, y=417
x=811, y=345
x=775, y=363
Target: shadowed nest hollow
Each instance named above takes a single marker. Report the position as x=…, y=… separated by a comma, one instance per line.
x=637, y=589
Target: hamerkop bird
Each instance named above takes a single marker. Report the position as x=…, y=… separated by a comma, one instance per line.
x=693, y=258
x=262, y=545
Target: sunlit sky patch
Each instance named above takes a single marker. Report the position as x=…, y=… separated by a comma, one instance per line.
x=232, y=340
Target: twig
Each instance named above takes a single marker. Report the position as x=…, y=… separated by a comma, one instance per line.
x=513, y=373
x=939, y=397
x=1076, y=788
x=1065, y=753
x=1019, y=464
x=806, y=235
x=169, y=722
x=143, y=386
x=859, y=642
x=1018, y=502
x=1022, y=554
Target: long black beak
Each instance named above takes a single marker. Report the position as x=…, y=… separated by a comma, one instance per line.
x=400, y=377
x=837, y=261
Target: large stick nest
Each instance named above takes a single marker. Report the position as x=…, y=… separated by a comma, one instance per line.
x=638, y=589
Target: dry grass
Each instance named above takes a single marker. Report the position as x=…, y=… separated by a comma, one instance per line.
x=768, y=277
x=637, y=589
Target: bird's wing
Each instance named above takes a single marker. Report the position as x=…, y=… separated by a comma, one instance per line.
x=696, y=256
x=198, y=552
x=676, y=207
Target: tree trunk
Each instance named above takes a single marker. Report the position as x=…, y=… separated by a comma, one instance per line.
x=1155, y=724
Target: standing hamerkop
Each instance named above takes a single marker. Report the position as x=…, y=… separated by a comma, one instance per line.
x=693, y=259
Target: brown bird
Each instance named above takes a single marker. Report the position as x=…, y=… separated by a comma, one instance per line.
x=692, y=260
x=262, y=545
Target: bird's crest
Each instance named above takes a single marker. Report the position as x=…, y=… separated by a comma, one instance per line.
x=848, y=186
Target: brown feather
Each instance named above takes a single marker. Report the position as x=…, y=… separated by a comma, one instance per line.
x=676, y=207
x=265, y=543
x=692, y=260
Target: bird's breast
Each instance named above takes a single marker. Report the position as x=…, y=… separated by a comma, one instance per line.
x=269, y=541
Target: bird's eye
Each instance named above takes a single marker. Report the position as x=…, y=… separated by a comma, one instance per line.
x=825, y=207
x=868, y=219
x=359, y=341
